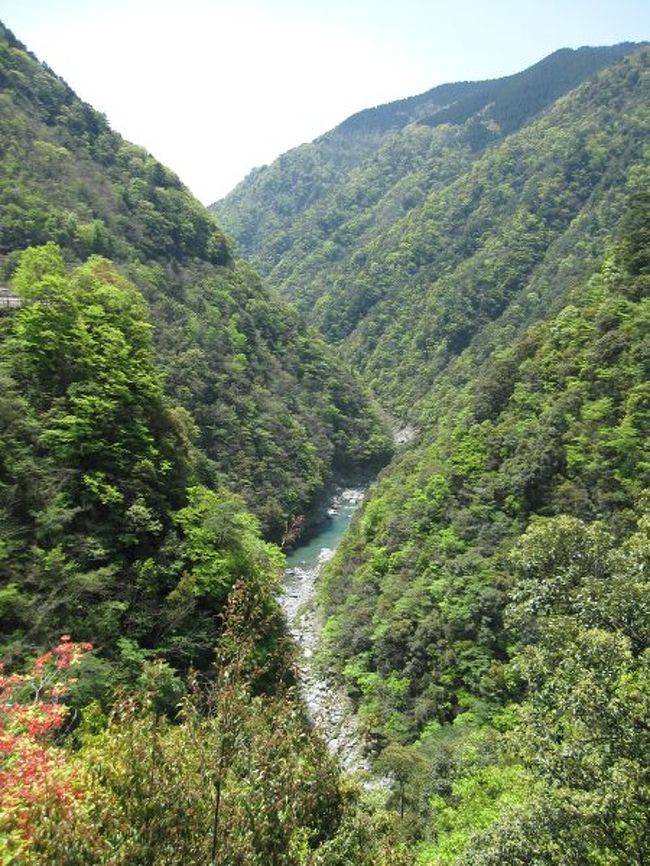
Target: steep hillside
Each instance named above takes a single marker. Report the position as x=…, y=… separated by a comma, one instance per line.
x=481, y=255
x=551, y=421
x=166, y=728
x=550, y=195
x=510, y=319
x=490, y=603
x=418, y=285
x=100, y=536
x=301, y=218
x=276, y=414
x=488, y=610
x=147, y=714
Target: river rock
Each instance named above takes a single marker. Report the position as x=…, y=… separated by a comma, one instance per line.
x=329, y=707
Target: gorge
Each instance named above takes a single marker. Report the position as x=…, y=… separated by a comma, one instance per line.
x=329, y=708
x=474, y=260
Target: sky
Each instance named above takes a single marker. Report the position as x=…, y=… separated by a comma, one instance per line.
x=213, y=88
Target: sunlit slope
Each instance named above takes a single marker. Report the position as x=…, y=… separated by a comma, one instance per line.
x=276, y=413
x=307, y=214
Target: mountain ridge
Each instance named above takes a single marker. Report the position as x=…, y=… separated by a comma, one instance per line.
x=583, y=62
x=224, y=341
x=489, y=280
x=604, y=54
x=274, y=201
x=492, y=287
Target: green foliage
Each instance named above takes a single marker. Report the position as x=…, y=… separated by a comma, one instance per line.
x=101, y=537
x=68, y=178
x=401, y=765
x=221, y=541
x=360, y=227
x=498, y=560
x=486, y=269
x=479, y=799
x=417, y=591
x=276, y=413
x=237, y=778
x=582, y=729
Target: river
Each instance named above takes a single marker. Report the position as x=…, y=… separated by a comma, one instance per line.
x=329, y=707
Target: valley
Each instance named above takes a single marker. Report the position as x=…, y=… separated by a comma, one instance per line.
x=450, y=668
x=329, y=708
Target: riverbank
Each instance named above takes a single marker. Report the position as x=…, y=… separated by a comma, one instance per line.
x=329, y=707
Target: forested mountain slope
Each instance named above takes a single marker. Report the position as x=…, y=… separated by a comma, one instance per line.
x=488, y=610
x=275, y=413
x=552, y=420
x=147, y=713
x=301, y=218
x=481, y=254
x=415, y=289
x=154, y=391
x=490, y=604
x=167, y=729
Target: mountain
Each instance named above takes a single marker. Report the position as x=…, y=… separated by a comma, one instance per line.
x=484, y=265
x=301, y=219
x=480, y=257
x=154, y=393
x=275, y=414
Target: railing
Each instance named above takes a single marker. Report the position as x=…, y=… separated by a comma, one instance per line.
x=10, y=303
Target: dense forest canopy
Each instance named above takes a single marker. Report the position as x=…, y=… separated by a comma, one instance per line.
x=275, y=414
x=133, y=382
x=308, y=219
x=479, y=255
x=155, y=393
x=485, y=266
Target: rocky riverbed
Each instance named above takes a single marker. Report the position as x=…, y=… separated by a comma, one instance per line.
x=329, y=706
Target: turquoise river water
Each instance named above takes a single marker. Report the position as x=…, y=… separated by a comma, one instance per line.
x=328, y=706
x=310, y=554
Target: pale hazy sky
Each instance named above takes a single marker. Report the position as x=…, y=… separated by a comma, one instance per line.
x=215, y=87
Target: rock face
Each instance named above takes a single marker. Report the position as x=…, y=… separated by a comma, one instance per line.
x=402, y=435
x=329, y=707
